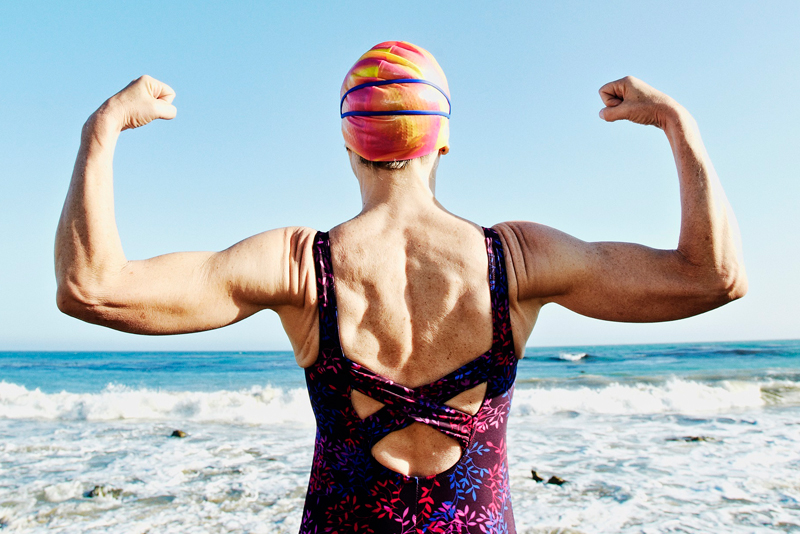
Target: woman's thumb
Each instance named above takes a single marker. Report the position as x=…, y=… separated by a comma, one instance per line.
x=613, y=113
x=166, y=111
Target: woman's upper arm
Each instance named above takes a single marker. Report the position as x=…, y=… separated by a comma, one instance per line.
x=193, y=291
x=607, y=280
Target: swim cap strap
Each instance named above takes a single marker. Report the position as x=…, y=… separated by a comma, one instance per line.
x=398, y=112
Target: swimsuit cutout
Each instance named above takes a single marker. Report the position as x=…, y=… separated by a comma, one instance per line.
x=349, y=491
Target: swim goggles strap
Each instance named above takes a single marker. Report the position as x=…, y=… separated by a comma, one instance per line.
x=396, y=112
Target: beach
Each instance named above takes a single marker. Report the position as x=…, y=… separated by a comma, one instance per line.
x=649, y=438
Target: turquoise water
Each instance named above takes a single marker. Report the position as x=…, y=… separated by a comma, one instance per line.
x=749, y=360
x=91, y=372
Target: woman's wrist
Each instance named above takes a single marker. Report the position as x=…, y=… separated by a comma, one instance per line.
x=678, y=122
x=103, y=126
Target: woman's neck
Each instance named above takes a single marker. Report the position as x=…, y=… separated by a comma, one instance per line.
x=402, y=190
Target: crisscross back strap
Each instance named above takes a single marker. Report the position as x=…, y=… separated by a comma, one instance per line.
x=403, y=406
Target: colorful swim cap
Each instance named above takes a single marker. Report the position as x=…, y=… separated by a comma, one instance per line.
x=395, y=104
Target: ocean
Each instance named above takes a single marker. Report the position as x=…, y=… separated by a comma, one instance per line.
x=701, y=437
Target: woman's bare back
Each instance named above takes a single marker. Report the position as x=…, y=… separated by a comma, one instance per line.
x=414, y=304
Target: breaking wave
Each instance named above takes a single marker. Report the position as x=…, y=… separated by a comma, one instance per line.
x=271, y=405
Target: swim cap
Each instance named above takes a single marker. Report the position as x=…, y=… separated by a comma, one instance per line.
x=395, y=103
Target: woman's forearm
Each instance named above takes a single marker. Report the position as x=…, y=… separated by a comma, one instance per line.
x=88, y=252
x=88, y=249
x=709, y=235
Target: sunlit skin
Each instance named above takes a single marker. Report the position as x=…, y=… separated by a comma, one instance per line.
x=411, y=277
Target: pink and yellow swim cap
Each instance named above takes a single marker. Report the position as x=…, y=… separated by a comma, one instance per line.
x=395, y=104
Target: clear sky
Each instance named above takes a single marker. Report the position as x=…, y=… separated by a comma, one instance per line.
x=257, y=145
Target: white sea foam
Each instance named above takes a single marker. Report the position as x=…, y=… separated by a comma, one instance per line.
x=269, y=405
x=63, y=491
x=572, y=356
x=256, y=405
x=625, y=474
x=674, y=396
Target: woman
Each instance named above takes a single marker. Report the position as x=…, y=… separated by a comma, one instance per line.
x=407, y=319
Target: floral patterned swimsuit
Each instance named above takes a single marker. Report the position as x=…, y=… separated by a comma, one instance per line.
x=349, y=491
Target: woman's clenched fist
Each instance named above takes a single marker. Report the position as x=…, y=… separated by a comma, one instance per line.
x=631, y=99
x=142, y=101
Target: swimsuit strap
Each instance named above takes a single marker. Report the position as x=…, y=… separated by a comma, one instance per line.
x=498, y=285
x=504, y=370
x=326, y=294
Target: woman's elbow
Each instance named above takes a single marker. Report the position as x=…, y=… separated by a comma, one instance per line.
x=78, y=302
x=739, y=287
x=731, y=283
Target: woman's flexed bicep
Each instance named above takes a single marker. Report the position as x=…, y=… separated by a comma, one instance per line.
x=608, y=280
x=193, y=291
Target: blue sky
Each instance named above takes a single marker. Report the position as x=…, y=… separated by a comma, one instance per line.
x=256, y=144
